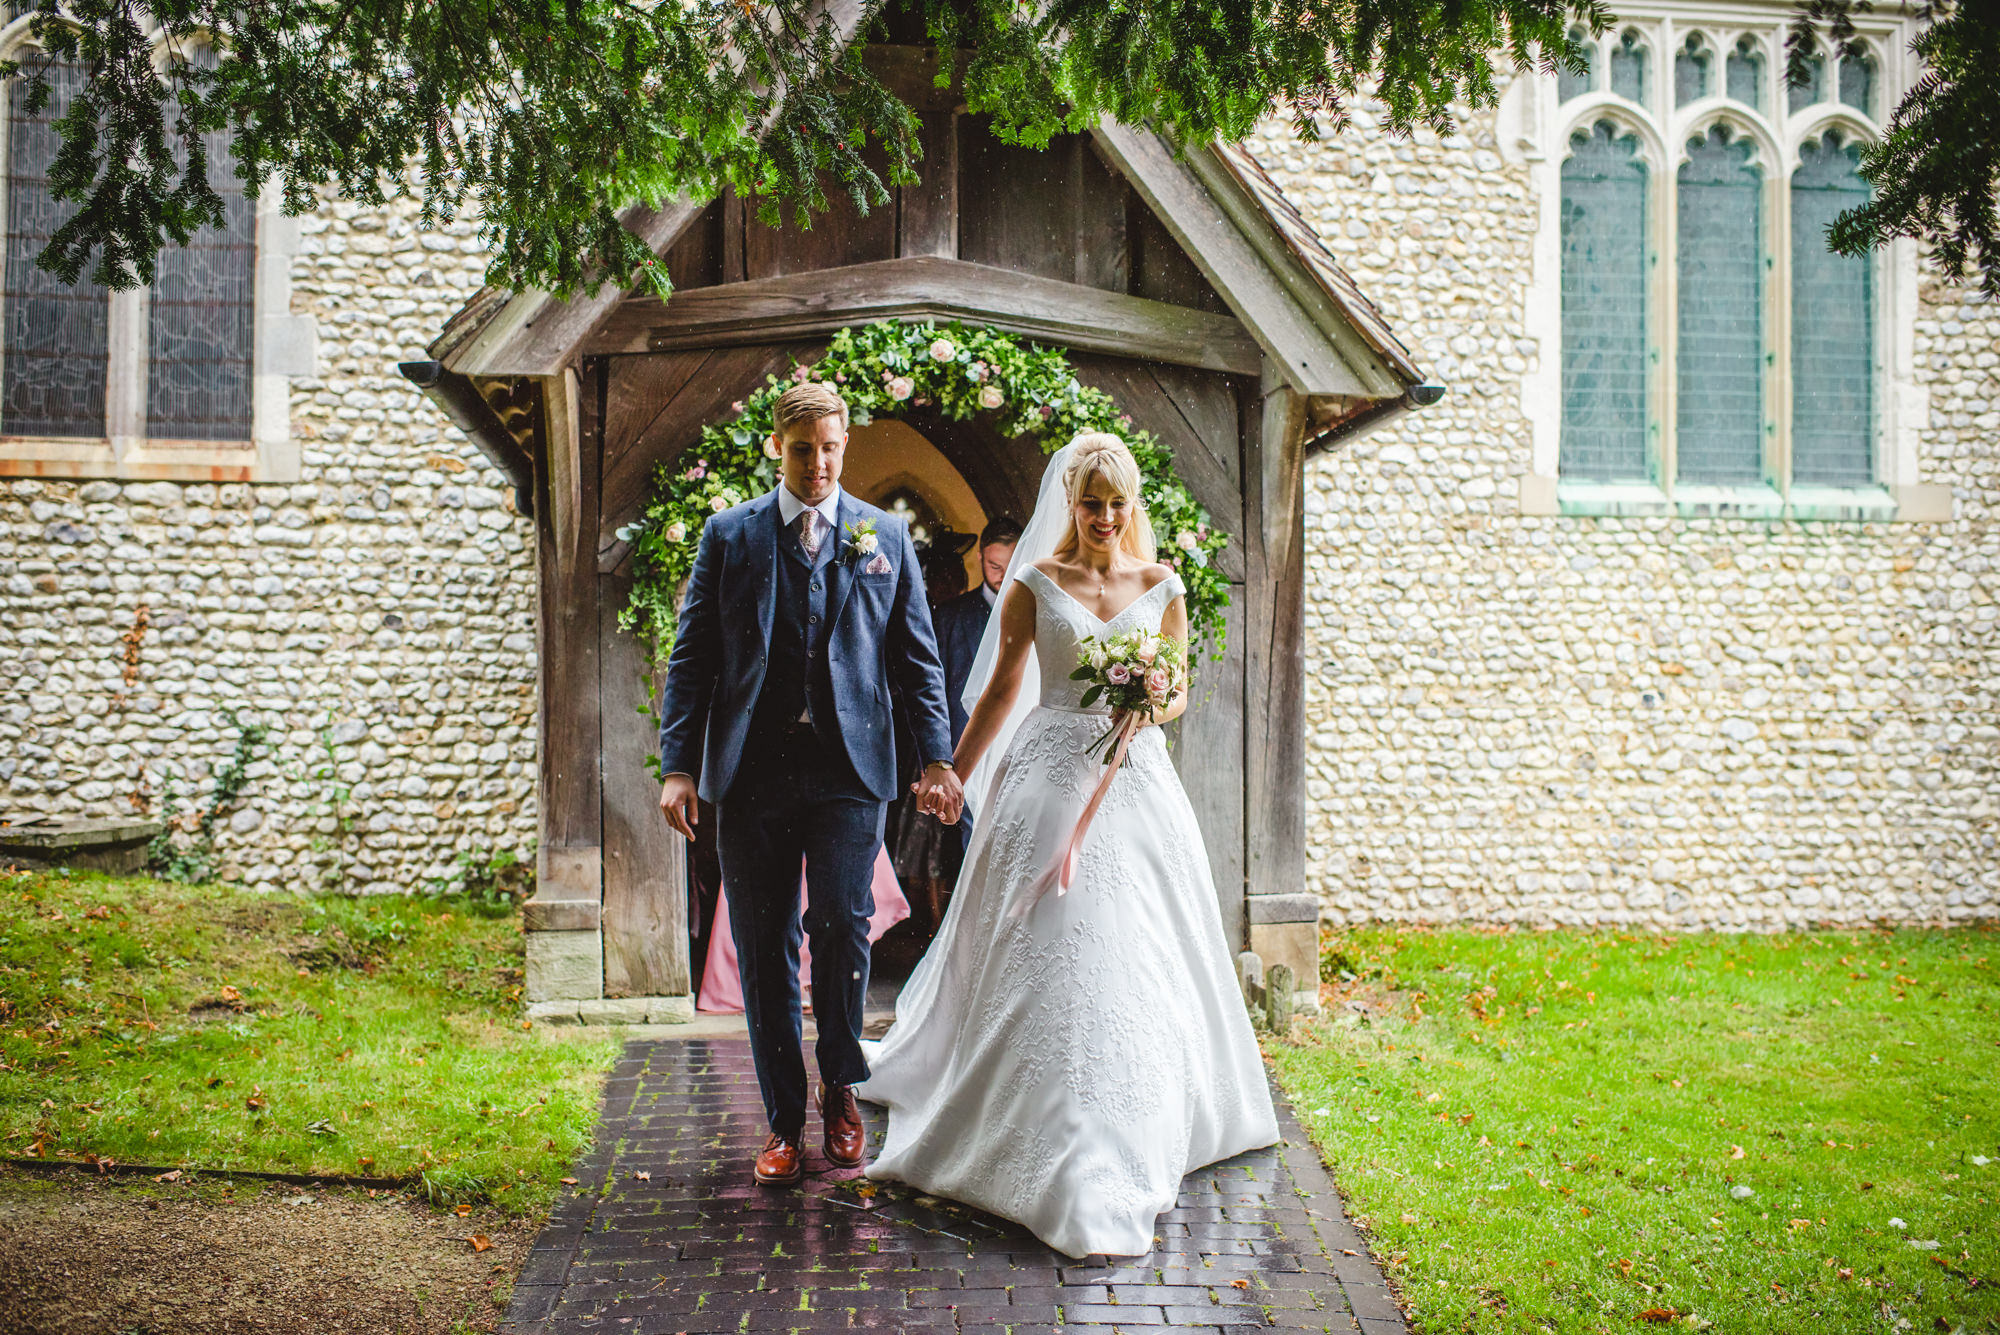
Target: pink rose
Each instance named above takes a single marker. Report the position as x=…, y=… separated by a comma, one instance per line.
x=800, y=374
x=990, y=396
x=901, y=387
x=736, y=407
x=696, y=473
x=980, y=370
x=1118, y=674
x=942, y=350
x=1157, y=682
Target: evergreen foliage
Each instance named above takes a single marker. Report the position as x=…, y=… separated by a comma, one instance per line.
x=1936, y=170
x=551, y=119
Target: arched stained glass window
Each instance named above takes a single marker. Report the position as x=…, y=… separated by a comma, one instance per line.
x=1745, y=74
x=199, y=317
x=56, y=345
x=1693, y=72
x=1604, y=355
x=1833, y=325
x=1628, y=67
x=1570, y=84
x=1857, y=83
x=1802, y=95
x=1719, y=352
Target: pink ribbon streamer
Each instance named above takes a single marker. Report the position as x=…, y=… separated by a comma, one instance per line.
x=1063, y=871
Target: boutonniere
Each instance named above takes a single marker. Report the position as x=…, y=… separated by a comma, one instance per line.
x=861, y=540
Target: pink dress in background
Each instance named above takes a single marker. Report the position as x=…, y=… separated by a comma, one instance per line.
x=722, y=989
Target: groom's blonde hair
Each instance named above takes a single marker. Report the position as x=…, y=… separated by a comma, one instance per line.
x=807, y=402
x=1099, y=454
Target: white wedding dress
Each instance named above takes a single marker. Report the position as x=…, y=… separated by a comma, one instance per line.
x=1067, y=1068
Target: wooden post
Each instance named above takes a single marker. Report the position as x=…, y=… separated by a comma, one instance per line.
x=565, y=951
x=645, y=862
x=1283, y=918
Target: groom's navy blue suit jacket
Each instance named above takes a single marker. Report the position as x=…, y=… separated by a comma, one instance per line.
x=878, y=629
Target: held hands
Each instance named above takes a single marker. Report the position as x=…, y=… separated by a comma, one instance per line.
x=940, y=793
x=680, y=805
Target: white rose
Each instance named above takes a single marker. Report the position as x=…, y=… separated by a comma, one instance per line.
x=901, y=387
x=677, y=532
x=943, y=351
x=770, y=448
x=990, y=396
x=1097, y=658
x=866, y=543
x=719, y=504
x=1185, y=540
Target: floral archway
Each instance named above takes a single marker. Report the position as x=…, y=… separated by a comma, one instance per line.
x=880, y=369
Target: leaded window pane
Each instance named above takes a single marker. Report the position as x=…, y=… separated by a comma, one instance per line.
x=1628, y=67
x=1692, y=65
x=1833, y=326
x=1800, y=96
x=1719, y=403
x=1744, y=74
x=1570, y=85
x=199, y=320
x=1857, y=84
x=54, y=339
x=1604, y=361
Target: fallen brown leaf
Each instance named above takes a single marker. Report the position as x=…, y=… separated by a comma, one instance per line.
x=1736, y=1151
x=643, y=1175
x=171, y=1175
x=569, y=1181
x=1239, y=1283
x=1659, y=1316
x=480, y=1242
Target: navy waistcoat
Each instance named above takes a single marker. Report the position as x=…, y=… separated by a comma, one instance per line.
x=797, y=677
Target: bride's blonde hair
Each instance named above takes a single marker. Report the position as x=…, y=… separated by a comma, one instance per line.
x=1099, y=454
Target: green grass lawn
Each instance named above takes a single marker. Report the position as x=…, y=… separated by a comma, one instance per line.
x=210, y=1027
x=1584, y=1132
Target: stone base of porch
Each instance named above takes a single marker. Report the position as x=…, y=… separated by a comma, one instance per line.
x=614, y=1010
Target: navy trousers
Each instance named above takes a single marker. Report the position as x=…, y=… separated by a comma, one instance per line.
x=798, y=800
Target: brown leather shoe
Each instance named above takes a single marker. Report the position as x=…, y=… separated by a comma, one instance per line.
x=840, y=1116
x=781, y=1164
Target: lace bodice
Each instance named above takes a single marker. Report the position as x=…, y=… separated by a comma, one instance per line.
x=1061, y=623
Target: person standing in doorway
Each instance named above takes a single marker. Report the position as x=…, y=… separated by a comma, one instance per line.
x=802, y=607
x=961, y=622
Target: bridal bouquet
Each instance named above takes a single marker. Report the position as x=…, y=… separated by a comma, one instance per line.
x=1137, y=673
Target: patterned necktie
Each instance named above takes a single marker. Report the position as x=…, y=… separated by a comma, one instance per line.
x=809, y=533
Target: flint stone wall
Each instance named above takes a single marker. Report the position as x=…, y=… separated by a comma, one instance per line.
x=378, y=616
x=1667, y=723
x=1662, y=722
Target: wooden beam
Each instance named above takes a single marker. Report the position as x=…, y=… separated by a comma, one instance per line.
x=571, y=837
x=1274, y=644
x=809, y=305
x=1294, y=340
x=534, y=333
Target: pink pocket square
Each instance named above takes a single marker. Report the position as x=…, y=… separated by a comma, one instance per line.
x=879, y=566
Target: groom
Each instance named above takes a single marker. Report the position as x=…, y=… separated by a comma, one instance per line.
x=800, y=607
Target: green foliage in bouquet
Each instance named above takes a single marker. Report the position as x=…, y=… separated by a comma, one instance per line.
x=881, y=369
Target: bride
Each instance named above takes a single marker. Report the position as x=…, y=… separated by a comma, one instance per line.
x=1064, y=1061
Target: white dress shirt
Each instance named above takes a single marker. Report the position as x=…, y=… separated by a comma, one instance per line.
x=791, y=507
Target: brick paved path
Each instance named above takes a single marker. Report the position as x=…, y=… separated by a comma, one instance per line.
x=1257, y=1243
